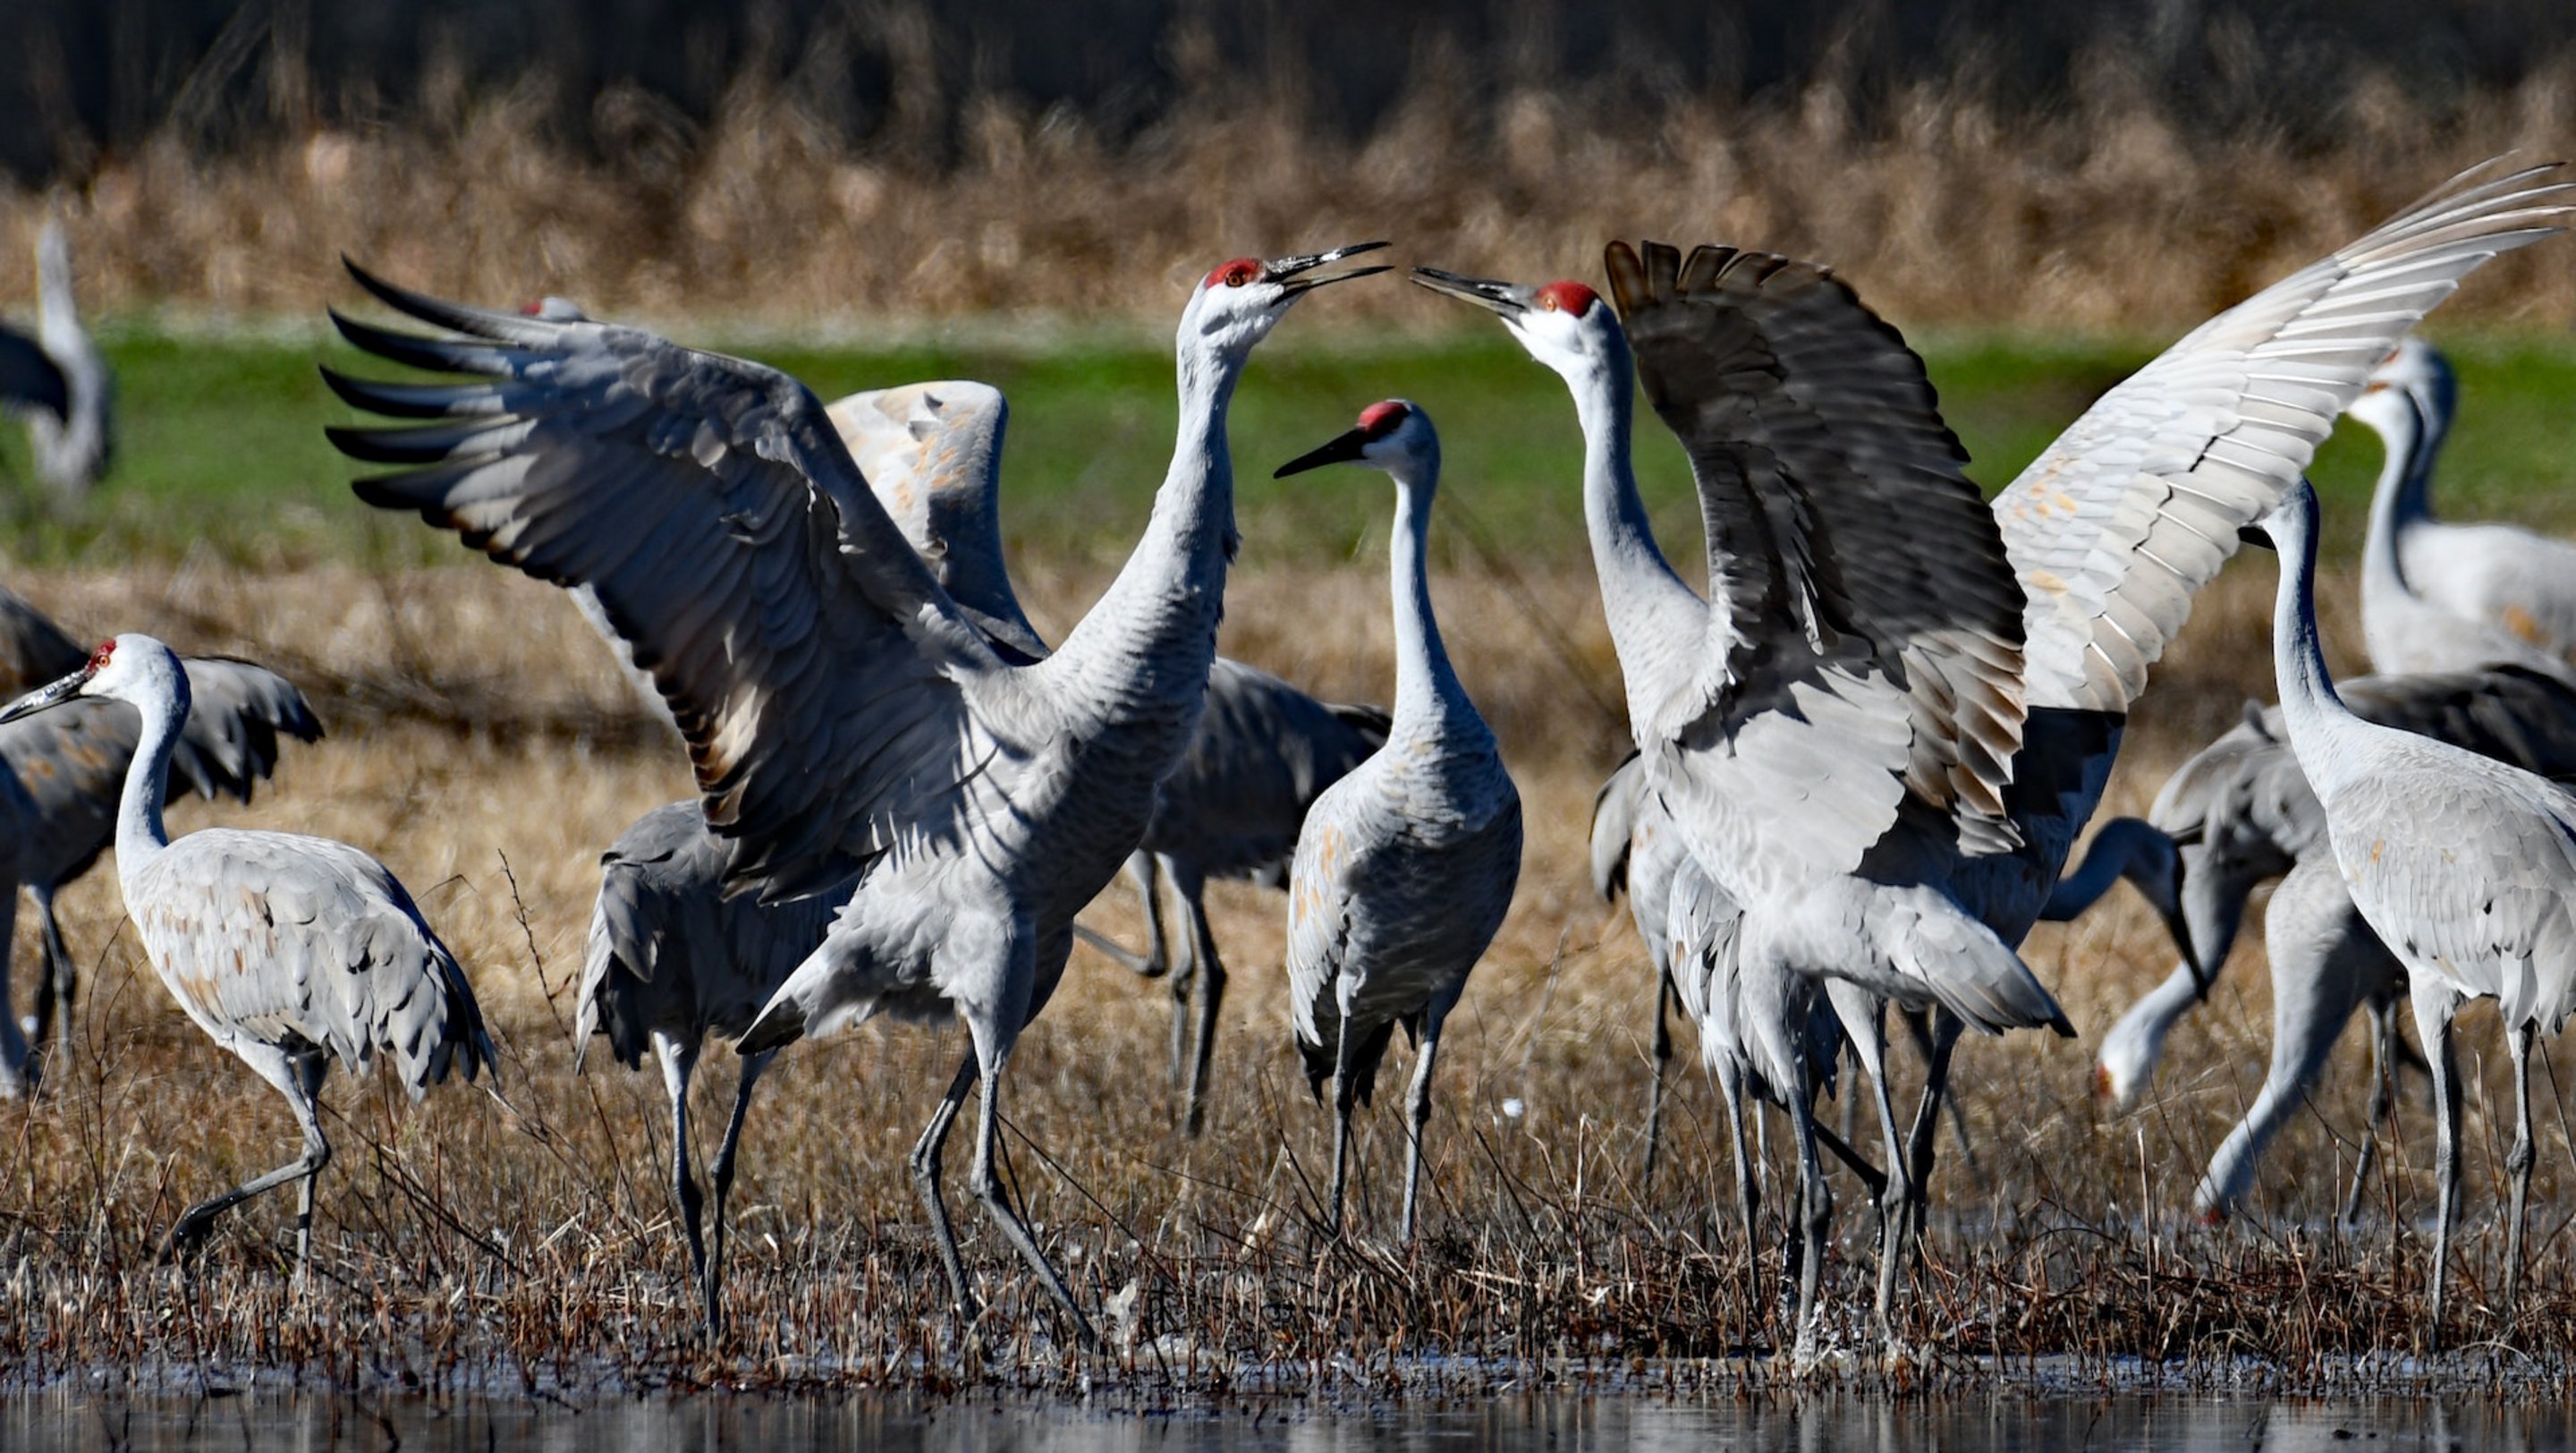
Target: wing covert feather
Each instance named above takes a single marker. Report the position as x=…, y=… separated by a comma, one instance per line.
x=812, y=662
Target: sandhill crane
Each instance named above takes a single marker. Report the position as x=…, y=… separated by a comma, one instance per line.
x=848, y=718
x=1892, y=679
x=2239, y=813
x=1262, y=749
x=1406, y=866
x=2437, y=597
x=286, y=950
x=672, y=960
x=2465, y=866
x=56, y=378
x=1263, y=752
x=69, y=767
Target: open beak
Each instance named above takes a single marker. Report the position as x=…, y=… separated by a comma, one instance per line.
x=1506, y=300
x=1342, y=450
x=1282, y=270
x=46, y=696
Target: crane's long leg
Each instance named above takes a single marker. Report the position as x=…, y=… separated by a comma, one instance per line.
x=1817, y=1214
x=297, y=1083
x=925, y=1180
x=679, y=1061
x=2383, y=1100
x=711, y=1281
x=984, y=1176
x=1945, y=1032
x=1345, y=1096
x=1150, y=964
x=17, y=1067
x=1748, y=1192
x=54, y=989
x=1209, y=972
x=2518, y=1161
x=1417, y=1108
x=1865, y=1028
x=2435, y=1004
x=1655, y=1095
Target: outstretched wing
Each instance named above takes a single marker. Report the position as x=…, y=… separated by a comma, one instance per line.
x=1869, y=645
x=933, y=454
x=2137, y=504
x=814, y=665
x=237, y=711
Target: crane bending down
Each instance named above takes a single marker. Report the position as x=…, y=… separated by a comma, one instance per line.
x=57, y=379
x=1405, y=867
x=849, y=718
x=1263, y=752
x=1883, y=732
x=69, y=766
x=673, y=960
x=286, y=950
x=2465, y=866
x=2437, y=597
x=2238, y=814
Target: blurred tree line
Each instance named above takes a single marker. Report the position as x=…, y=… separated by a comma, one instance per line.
x=616, y=81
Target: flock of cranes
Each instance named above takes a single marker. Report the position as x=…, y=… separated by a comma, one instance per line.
x=1863, y=757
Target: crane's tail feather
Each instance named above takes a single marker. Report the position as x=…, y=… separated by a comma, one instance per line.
x=1974, y=973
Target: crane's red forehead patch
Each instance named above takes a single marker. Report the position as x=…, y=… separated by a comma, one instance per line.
x=98, y=658
x=533, y=306
x=1236, y=273
x=1381, y=419
x=1567, y=296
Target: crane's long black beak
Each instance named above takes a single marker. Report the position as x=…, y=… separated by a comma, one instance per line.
x=1342, y=450
x=1283, y=269
x=1507, y=300
x=45, y=696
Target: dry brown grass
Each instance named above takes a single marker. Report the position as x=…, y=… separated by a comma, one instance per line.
x=460, y=1245
x=2112, y=213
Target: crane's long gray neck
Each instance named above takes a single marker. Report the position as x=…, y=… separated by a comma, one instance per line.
x=1657, y=622
x=2315, y=715
x=2403, y=496
x=1426, y=688
x=2115, y=850
x=140, y=835
x=1160, y=615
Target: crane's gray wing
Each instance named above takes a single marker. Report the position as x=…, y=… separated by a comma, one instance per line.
x=814, y=665
x=2511, y=713
x=2137, y=504
x=1870, y=642
x=933, y=454
x=1262, y=752
x=237, y=711
x=305, y=937
x=668, y=950
x=29, y=379
x=33, y=649
x=2462, y=864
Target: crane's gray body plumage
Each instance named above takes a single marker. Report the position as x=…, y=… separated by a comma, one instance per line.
x=2443, y=597
x=289, y=951
x=66, y=767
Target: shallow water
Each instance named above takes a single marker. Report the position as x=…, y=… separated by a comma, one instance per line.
x=82, y=1420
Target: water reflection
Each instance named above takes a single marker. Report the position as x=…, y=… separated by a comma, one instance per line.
x=1817, y=1423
